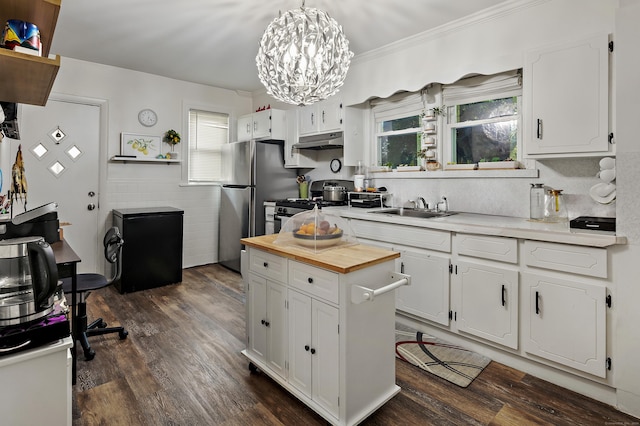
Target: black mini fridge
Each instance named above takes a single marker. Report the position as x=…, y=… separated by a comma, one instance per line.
x=152, y=250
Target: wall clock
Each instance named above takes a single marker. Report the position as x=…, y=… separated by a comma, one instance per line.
x=147, y=117
x=335, y=165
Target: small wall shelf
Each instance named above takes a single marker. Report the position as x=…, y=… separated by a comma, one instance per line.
x=121, y=159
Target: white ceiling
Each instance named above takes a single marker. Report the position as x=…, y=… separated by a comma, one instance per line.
x=214, y=42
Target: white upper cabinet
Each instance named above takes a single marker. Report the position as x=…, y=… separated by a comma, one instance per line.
x=325, y=116
x=267, y=124
x=566, y=99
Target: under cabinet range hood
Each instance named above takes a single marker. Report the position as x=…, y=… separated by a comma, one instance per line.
x=323, y=141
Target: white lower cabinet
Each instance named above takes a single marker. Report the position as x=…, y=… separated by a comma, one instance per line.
x=487, y=302
x=428, y=296
x=266, y=322
x=543, y=301
x=314, y=350
x=424, y=254
x=564, y=320
x=485, y=285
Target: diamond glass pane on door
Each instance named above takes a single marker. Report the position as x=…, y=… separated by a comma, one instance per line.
x=74, y=152
x=57, y=168
x=39, y=150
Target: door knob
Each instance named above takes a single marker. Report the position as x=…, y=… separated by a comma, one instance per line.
x=91, y=206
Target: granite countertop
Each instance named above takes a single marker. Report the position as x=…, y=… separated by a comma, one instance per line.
x=341, y=259
x=483, y=224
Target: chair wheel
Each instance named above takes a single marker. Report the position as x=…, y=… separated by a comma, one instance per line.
x=89, y=355
x=123, y=334
x=253, y=368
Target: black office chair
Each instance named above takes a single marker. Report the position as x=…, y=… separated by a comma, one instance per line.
x=88, y=282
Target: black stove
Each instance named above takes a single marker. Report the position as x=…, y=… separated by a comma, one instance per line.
x=293, y=206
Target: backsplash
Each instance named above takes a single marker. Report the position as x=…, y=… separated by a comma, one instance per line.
x=506, y=196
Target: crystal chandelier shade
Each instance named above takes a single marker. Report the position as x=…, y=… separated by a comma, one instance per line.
x=303, y=56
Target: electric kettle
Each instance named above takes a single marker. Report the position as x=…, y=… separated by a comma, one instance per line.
x=28, y=280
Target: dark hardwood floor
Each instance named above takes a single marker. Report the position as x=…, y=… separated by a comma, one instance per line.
x=181, y=365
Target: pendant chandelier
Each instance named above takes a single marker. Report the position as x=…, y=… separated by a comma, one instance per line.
x=303, y=56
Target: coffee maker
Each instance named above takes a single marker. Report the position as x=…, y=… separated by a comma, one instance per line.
x=28, y=280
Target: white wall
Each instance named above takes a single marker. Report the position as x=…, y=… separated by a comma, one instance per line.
x=157, y=184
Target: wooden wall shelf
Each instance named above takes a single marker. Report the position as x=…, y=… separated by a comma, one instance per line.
x=26, y=78
x=119, y=159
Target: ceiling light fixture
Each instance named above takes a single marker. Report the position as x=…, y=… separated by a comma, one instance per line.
x=303, y=56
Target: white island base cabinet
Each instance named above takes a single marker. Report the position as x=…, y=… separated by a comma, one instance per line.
x=339, y=355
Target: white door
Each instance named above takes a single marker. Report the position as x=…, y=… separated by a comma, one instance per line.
x=325, y=353
x=428, y=294
x=60, y=148
x=488, y=302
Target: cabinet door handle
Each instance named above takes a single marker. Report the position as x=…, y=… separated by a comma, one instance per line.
x=503, y=295
x=312, y=118
x=310, y=280
x=255, y=126
x=262, y=322
x=402, y=267
x=306, y=348
x=322, y=116
x=537, y=303
x=313, y=351
x=248, y=128
x=266, y=323
x=265, y=264
x=539, y=129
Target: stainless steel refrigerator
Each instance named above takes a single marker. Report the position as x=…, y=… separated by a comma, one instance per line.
x=254, y=172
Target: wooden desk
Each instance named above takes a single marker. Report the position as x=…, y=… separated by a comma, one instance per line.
x=67, y=261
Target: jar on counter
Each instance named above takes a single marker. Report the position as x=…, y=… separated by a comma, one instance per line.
x=555, y=209
x=536, y=201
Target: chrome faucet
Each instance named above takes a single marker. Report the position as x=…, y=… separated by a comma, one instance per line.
x=445, y=205
x=424, y=203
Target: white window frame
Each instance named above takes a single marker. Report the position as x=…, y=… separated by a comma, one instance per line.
x=479, y=89
x=395, y=107
x=215, y=109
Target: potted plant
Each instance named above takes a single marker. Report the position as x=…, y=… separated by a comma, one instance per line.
x=438, y=110
x=428, y=159
x=172, y=138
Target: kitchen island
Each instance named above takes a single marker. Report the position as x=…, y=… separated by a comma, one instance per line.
x=322, y=325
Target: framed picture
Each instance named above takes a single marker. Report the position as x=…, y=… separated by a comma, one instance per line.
x=140, y=146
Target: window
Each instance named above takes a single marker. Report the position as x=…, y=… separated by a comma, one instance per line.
x=398, y=129
x=483, y=118
x=208, y=132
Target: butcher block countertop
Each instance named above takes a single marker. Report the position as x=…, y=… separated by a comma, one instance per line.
x=339, y=259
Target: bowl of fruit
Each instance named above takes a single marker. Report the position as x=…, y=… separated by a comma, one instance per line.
x=320, y=236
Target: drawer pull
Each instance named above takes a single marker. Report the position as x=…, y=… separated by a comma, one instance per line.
x=503, y=295
x=310, y=280
x=537, y=303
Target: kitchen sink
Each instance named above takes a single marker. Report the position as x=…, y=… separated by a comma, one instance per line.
x=409, y=212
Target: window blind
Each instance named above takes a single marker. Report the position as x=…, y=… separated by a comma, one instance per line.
x=397, y=106
x=482, y=87
x=208, y=132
